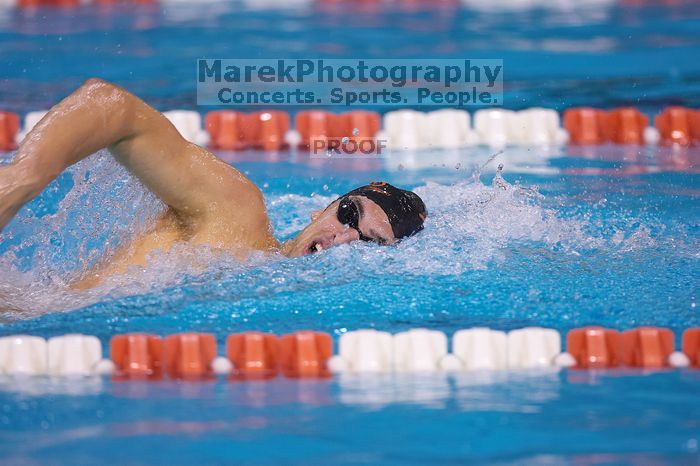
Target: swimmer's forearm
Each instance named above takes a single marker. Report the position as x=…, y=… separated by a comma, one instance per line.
x=186, y=177
x=86, y=121
x=98, y=115
x=92, y=117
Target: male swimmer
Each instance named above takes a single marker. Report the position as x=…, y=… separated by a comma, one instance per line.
x=209, y=201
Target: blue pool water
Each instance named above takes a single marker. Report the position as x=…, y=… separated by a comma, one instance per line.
x=563, y=238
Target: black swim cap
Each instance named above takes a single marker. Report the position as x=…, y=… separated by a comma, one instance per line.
x=405, y=209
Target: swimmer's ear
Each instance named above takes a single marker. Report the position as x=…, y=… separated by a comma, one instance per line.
x=315, y=214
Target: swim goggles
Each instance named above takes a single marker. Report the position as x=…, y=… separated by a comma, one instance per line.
x=349, y=214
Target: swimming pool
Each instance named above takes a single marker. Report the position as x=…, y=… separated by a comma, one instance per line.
x=598, y=235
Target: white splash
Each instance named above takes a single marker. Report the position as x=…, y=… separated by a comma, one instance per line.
x=470, y=226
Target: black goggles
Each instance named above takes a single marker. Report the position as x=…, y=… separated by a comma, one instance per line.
x=349, y=214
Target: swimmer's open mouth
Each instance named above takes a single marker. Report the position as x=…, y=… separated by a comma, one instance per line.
x=314, y=247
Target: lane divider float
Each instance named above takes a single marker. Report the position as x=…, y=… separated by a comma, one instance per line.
x=691, y=346
x=9, y=126
x=309, y=354
x=30, y=121
x=254, y=355
x=30, y=4
x=489, y=6
x=678, y=126
x=413, y=130
x=75, y=355
x=137, y=355
x=316, y=125
x=591, y=126
x=47, y=3
x=230, y=130
x=305, y=354
x=189, y=124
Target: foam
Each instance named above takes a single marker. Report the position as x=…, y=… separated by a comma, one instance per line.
x=471, y=226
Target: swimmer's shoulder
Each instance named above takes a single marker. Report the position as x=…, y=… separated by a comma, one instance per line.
x=238, y=211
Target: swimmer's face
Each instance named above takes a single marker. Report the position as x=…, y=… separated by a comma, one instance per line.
x=326, y=230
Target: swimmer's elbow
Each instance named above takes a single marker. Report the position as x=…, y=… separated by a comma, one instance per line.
x=254, y=197
x=97, y=83
x=115, y=105
x=103, y=92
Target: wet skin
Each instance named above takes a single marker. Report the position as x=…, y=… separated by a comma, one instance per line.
x=209, y=201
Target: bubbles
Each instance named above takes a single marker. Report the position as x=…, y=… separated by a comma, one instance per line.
x=345, y=140
x=355, y=131
x=498, y=181
x=80, y=219
x=98, y=206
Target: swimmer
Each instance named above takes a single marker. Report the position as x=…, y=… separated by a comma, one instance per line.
x=209, y=201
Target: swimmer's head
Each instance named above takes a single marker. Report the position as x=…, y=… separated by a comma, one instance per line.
x=379, y=212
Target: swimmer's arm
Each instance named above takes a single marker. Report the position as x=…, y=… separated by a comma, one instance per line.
x=185, y=176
